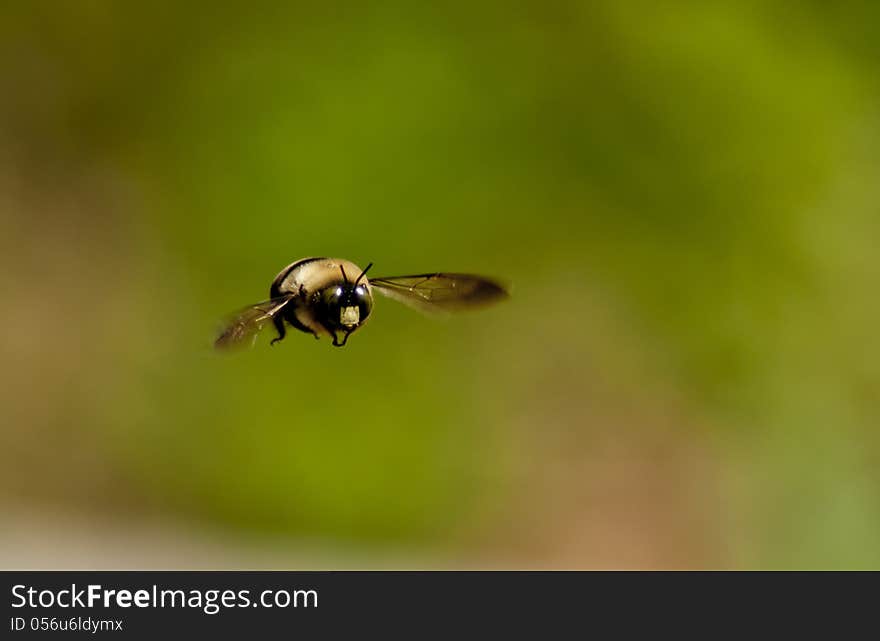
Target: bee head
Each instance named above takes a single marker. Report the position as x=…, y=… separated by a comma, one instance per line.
x=345, y=305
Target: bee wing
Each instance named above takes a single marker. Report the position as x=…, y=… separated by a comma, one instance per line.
x=247, y=323
x=441, y=292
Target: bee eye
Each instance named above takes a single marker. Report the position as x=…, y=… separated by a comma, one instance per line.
x=339, y=291
x=360, y=291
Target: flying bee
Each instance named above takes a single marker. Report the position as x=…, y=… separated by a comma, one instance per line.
x=333, y=297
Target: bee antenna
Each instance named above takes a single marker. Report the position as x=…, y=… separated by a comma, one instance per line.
x=362, y=274
x=344, y=277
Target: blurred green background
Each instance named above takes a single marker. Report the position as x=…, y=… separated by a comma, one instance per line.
x=683, y=198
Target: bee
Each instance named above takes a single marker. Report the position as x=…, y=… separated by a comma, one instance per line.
x=333, y=297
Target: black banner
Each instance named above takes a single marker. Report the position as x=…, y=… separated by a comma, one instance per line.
x=322, y=604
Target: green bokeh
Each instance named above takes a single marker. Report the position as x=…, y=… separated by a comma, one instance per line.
x=684, y=195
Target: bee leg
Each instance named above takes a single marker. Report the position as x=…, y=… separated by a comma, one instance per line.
x=344, y=339
x=303, y=328
x=279, y=325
